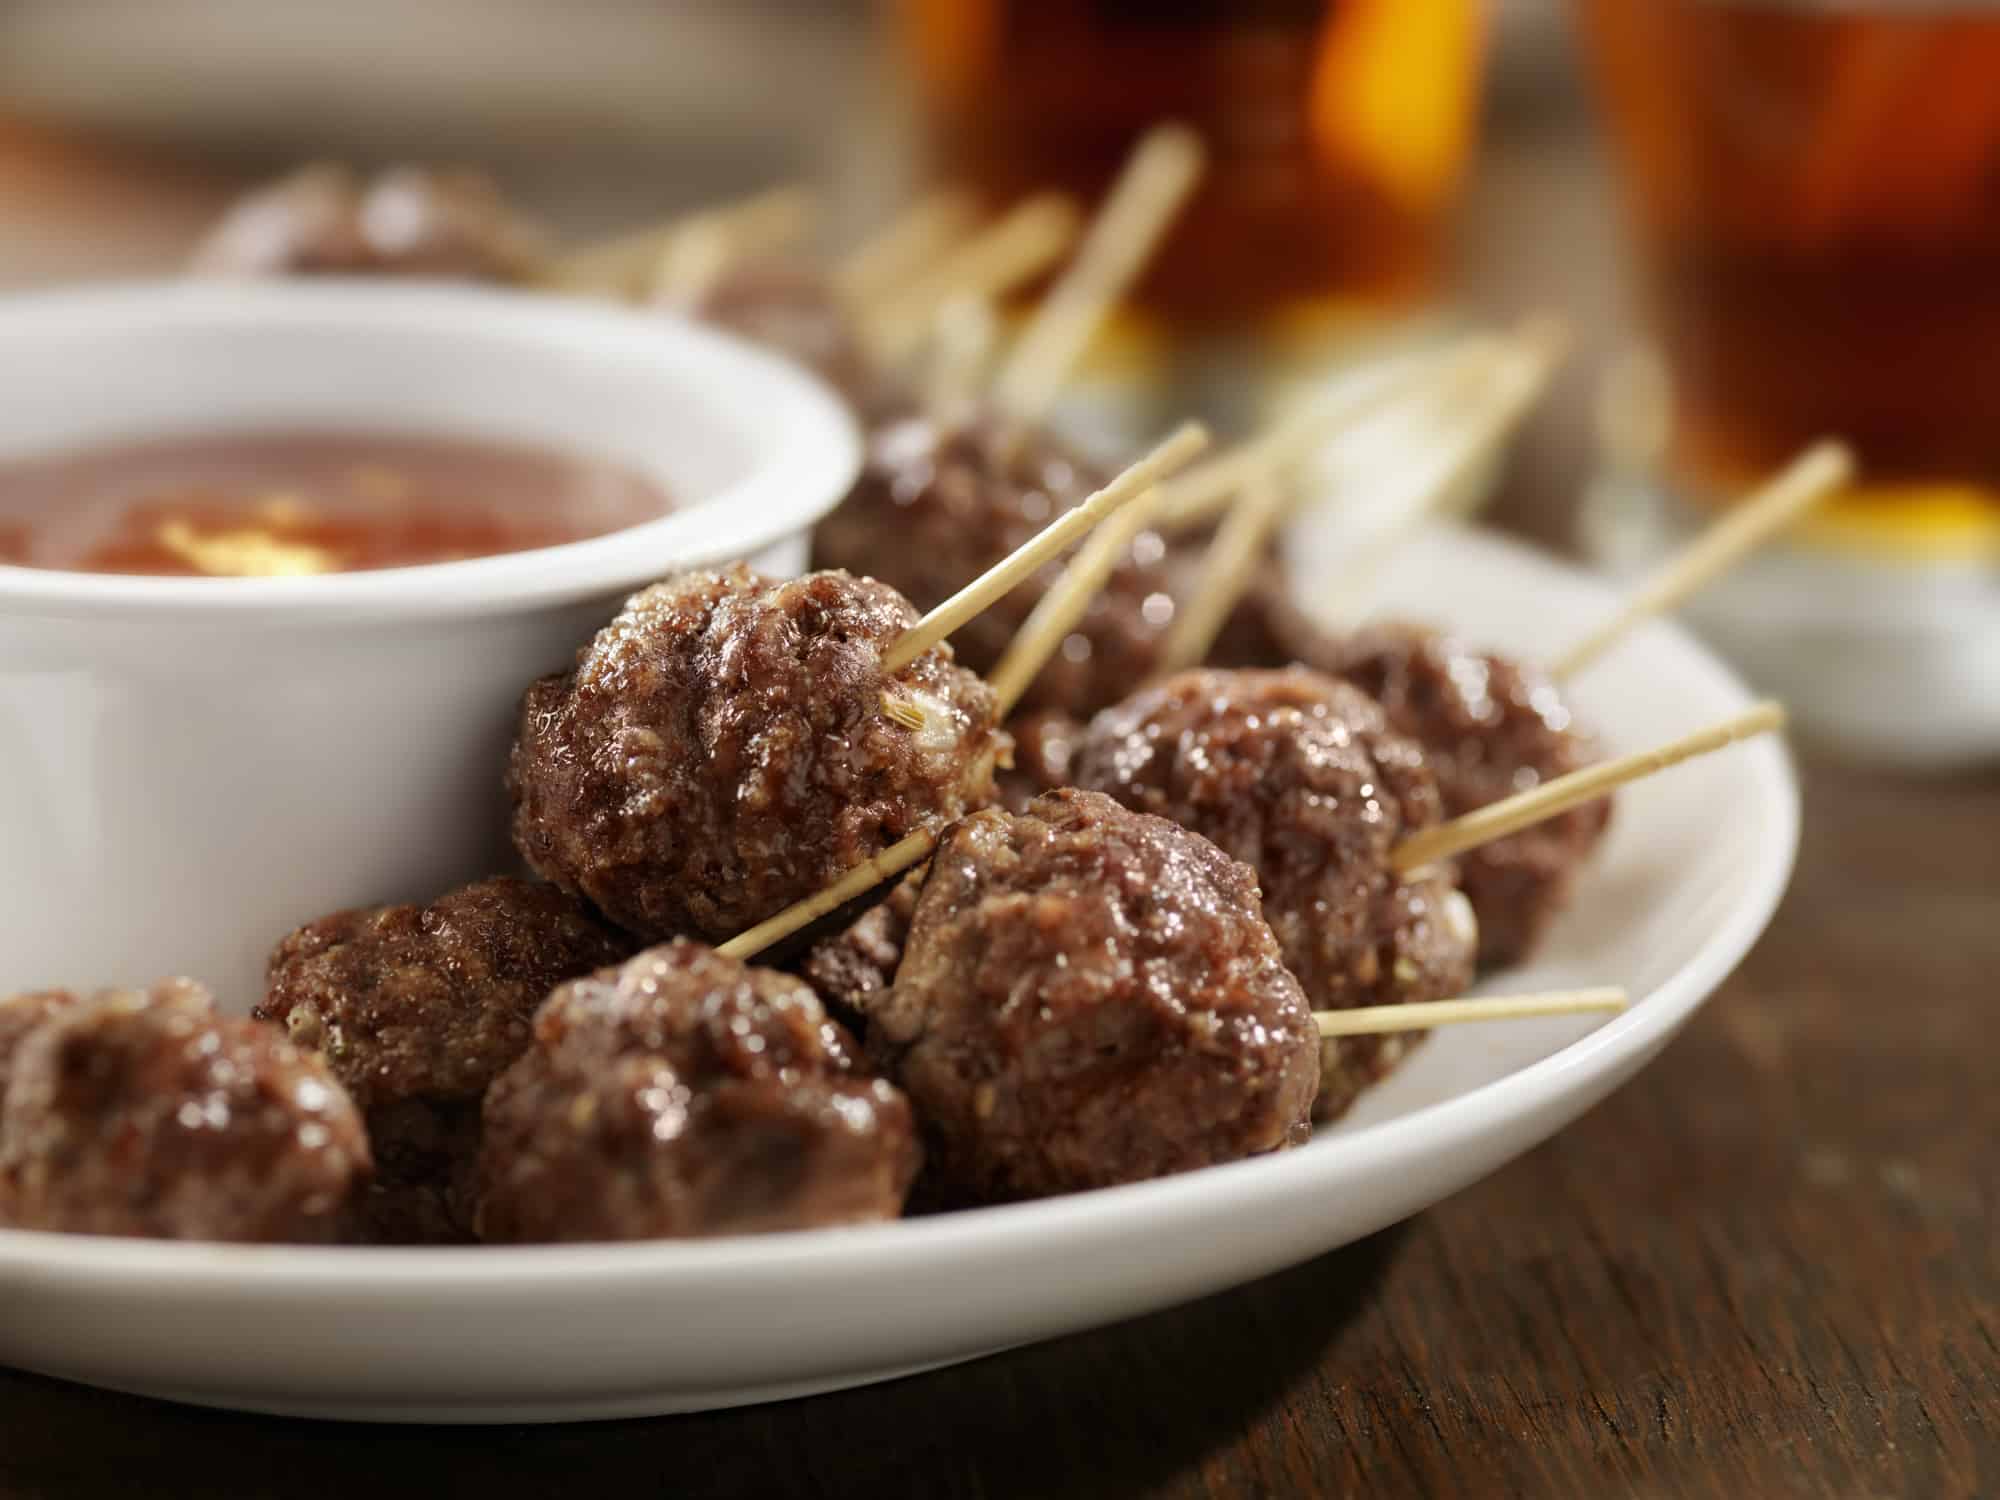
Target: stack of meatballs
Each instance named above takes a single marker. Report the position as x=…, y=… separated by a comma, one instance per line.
x=1107, y=971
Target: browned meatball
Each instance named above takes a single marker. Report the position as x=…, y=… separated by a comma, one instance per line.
x=145, y=1113
x=1091, y=997
x=854, y=965
x=416, y=1009
x=935, y=507
x=1044, y=742
x=1490, y=727
x=792, y=308
x=405, y=221
x=688, y=1094
x=1298, y=775
x=722, y=750
x=21, y=1014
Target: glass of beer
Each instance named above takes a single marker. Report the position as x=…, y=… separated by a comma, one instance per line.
x=1815, y=193
x=1338, y=132
x=1813, y=189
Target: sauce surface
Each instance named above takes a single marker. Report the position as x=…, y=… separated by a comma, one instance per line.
x=295, y=503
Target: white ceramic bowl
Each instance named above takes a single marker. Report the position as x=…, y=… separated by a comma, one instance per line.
x=191, y=767
x=1694, y=862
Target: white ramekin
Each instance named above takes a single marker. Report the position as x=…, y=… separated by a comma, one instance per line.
x=191, y=767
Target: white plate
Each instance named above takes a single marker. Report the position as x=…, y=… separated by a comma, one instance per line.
x=1694, y=864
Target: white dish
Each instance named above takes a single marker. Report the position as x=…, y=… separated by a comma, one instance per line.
x=1693, y=866
x=215, y=761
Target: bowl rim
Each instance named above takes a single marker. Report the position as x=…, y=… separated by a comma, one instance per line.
x=226, y=1275
x=798, y=474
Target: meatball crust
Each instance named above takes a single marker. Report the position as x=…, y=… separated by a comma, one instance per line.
x=144, y=1113
x=1299, y=776
x=405, y=221
x=1090, y=996
x=850, y=968
x=1490, y=727
x=21, y=1014
x=722, y=749
x=937, y=506
x=688, y=1094
x=416, y=1009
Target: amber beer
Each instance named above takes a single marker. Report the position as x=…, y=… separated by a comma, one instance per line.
x=1338, y=131
x=1816, y=194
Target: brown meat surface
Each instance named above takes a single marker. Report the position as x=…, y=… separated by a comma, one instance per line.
x=1090, y=997
x=144, y=1113
x=849, y=969
x=721, y=750
x=417, y=1009
x=1299, y=776
x=21, y=1014
x=1490, y=726
x=411, y=221
x=687, y=1094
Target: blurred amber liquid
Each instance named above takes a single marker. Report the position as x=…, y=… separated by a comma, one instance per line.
x=1816, y=191
x=1338, y=131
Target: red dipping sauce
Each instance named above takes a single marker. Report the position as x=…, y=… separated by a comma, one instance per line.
x=271, y=504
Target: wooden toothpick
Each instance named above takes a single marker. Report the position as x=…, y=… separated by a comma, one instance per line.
x=915, y=239
x=1226, y=571
x=1777, y=504
x=1497, y=820
x=877, y=870
x=622, y=265
x=1052, y=541
x=1057, y=612
x=1375, y=1020
x=1155, y=183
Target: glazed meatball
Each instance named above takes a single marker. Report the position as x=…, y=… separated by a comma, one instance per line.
x=405, y=221
x=416, y=1009
x=1299, y=776
x=725, y=748
x=1090, y=996
x=145, y=1113
x=688, y=1094
x=1490, y=727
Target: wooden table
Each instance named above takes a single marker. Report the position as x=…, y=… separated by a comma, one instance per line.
x=1767, y=1267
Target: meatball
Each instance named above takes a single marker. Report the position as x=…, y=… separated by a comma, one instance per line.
x=935, y=507
x=1299, y=776
x=145, y=1113
x=1044, y=742
x=20, y=1015
x=727, y=746
x=851, y=967
x=405, y=221
x=416, y=1009
x=1490, y=727
x=1090, y=996
x=793, y=309
x=688, y=1094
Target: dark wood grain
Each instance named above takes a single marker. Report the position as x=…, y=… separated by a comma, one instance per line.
x=1770, y=1266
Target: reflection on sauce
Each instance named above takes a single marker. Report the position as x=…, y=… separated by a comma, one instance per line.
x=290, y=504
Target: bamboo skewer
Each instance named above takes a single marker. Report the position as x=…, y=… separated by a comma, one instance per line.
x=1026, y=241
x=1780, y=501
x=1203, y=492
x=1226, y=572
x=1498, y=819
x=877, y=869
x=1065, y=603
x=916, y=238
x=1053, y=540
x=1155, y=183
x=962, y=343
x=1421, y=1015
x=622, y=265
x=688, y=268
